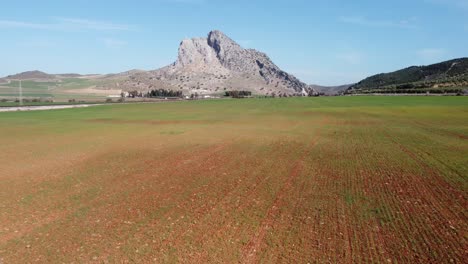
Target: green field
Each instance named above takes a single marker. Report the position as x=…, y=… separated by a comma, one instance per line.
x=57, y=90
x=285, y=180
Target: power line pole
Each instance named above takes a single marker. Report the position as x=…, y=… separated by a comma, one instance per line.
x=20, y=93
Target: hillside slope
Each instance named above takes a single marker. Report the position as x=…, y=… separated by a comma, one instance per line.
x=447, y=76
x=31, y=75
x=330, y=90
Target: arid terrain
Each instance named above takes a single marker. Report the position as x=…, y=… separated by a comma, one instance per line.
x=290, y=180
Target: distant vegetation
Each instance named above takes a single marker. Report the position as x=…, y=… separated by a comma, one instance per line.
x=238, y=94
x=164, y=93
x=445, y=77
x=152, y=94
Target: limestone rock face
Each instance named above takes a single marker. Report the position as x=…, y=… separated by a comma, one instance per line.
x=216, y=64
x=195, y=51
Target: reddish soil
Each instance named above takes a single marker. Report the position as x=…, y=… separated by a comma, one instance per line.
x=257, y=241
x=324, y=189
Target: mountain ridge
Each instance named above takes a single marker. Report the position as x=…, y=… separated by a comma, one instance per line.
x=40, y=75
x=434, y=77
x=216, y=63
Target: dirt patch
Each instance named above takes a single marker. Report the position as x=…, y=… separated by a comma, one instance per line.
x=38, y=108
x=93, y=90
x=149, y=122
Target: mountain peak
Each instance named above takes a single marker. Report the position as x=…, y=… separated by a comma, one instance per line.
x=221, y=43
x=218, y=62
x=216, y=33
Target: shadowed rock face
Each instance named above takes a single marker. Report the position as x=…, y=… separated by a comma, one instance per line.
x=229, y=53
x=233, y=57
x=216, y=64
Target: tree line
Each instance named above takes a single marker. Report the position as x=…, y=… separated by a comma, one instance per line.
x=238, y=94
x=154, y=93
x=164, y=93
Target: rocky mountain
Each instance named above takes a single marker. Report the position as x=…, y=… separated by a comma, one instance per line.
x=210, y=65
x=216, y=64
x=447, y=76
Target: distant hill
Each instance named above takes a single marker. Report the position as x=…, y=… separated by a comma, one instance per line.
x=69, y=75
x=330, y=90
x=31, y=75
x=448, y=76
x=39, y=75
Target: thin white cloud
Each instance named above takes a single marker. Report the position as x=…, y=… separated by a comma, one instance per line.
x=431, y=54
x=67, y=24
x=363, y=21
x=92, y=24
x=22, y=24
x=114, y=43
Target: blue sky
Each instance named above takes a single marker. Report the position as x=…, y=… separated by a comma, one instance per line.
x=327, y=42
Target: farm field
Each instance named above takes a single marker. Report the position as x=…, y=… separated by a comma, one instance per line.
x=66, y=88
x=290, y=180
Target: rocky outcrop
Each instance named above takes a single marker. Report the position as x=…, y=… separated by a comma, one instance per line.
x=195, y=51
x=235, y=58
x=217, y=63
